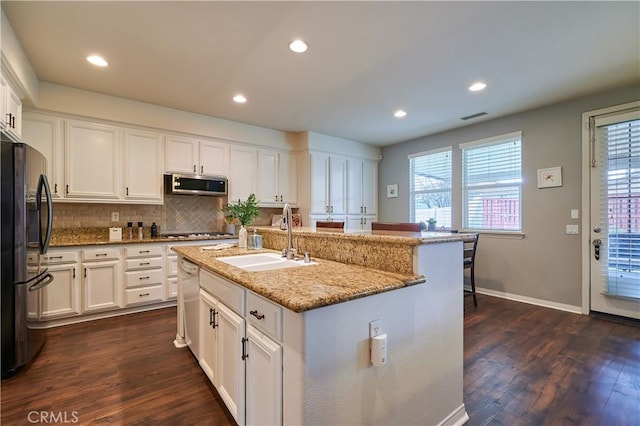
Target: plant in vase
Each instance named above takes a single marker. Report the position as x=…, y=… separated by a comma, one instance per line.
x=431, y=224
x=244, y=212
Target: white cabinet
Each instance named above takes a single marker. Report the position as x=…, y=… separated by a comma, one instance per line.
x=171, y=268
x=92, y=159
x=362, y=184
x=144, y=275
x=61, y=298
x=143, y=166
x=203, y=157
x=362, y=222
x=10, y=110
x=243, y=173
x=264, y=379
x=277, y=178
x=239, y=350
x=328, y=185
x=102, y=282
x=44, y=133
x=230, y=347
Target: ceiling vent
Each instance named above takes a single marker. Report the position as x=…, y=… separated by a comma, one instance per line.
x=469, y=117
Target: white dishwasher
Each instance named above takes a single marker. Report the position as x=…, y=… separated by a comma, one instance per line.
x=190, y=286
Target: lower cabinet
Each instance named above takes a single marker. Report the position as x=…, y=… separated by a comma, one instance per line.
x=242, y=362
x=61, y=298
x=102, y=281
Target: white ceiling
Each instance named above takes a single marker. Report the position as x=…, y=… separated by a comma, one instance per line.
x=365, y=59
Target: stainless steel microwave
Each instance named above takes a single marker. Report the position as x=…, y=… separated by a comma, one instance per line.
x=195, y=185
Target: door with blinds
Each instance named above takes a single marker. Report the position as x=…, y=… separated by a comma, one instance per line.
x=615, y=213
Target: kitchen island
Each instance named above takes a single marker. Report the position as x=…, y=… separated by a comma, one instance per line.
x=412, y=283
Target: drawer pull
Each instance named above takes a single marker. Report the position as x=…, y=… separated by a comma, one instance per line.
x=143, y=251
x=256, y=314
x=143, y=294
x=53, y=257
x=101, y=254
x=144, y=278
x=145, y=263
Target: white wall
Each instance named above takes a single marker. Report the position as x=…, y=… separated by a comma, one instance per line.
x=546, y=264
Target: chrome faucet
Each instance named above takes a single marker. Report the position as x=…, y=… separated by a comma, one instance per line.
x=289, y=252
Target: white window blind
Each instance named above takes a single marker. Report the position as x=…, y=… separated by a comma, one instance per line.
x=619, y=146
x=491, y=183
x=430, y=187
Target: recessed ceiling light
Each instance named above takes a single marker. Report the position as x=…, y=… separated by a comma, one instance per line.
x=298, y=46
x=400, y=114
x=477, y=86
x=98, y=61
x=240, y=99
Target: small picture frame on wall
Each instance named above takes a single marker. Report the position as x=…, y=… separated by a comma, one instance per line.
x=550, y=177
x=392, y=190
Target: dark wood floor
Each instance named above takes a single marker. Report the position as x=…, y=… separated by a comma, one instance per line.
x=524, y=365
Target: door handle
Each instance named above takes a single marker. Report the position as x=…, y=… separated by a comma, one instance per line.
x=596, y=248
x=597, y=229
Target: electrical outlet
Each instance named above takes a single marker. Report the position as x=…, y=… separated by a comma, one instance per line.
x=115, y=216
x=573, y=230
x=375, y=328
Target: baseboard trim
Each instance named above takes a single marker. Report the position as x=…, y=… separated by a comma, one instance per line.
x=530, y=300
x=458, y=417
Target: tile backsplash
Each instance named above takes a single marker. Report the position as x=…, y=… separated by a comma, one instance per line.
x=178, y=214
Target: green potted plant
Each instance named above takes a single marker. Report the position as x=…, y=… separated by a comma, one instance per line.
x=244, y=212
x=431, y=224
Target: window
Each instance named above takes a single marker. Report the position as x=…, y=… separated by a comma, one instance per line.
x=491, y=183
x=430, y=186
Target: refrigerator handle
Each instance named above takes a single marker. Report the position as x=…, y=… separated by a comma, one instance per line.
x=42, y=282
x=43, y=243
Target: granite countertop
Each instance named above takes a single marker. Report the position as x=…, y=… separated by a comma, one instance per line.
x=69, y=237
x=306, y=287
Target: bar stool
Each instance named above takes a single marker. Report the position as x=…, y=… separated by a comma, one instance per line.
x=470, y=249
x=334, y=226
x=400, y=226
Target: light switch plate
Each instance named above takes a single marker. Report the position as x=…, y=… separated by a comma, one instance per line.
x=573, y=230
x=375, y=328
x=575, y=214
x=115, y=216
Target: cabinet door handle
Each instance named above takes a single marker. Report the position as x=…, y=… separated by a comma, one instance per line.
x=67, y=189
x=276, y=198
x=194, y=168
x=256, y=314
x=74, y=272
x=245, y=355
x=127, y=191
x=365, y=209
x=212, y=317
x=281, y=198
x=326, y=209
x=143, y=294
x=360, y=221
x=360, y=209
x=85, y=272
x=13, y=121
x=331, y=209
x=55, y=188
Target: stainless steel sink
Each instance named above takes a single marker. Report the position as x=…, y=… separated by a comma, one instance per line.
x=262, y=262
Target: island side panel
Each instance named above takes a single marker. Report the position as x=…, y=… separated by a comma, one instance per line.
x=328, y=376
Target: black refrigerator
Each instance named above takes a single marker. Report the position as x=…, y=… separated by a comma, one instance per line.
x=26, y=221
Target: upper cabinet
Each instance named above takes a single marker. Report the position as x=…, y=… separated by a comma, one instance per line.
x=143, y=165
x=92, y=159
x=10, y=110
x=328, y=184
x=202, y=157
x=362, y=184
x=243, y=172
x=277, y=178
x=44, y=133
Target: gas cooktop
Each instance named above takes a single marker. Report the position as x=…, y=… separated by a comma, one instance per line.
x=188, y=235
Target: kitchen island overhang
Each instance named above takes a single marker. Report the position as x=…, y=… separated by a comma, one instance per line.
x=327, y=374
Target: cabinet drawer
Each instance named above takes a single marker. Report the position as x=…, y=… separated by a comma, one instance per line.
x=172, y=266
x=265, y=315
x=144, y=251
x=224, y=290
x=144, y=277
x=144, y=263
x=144, y=294
x=58, y=257
x=100, y=254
